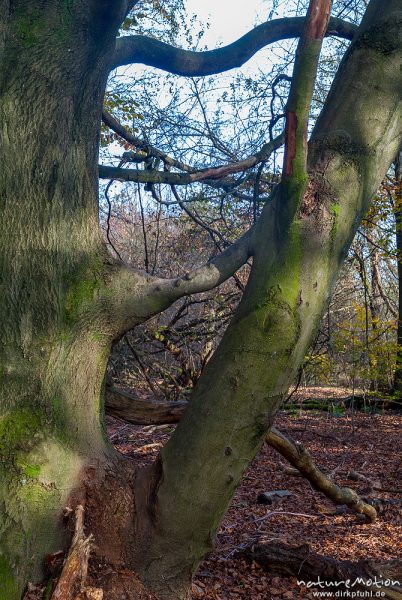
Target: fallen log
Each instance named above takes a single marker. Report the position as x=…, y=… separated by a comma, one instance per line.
x=301, y=459
x=364, y=402
x=327, y=573
x=141, y=412
x=355, y=476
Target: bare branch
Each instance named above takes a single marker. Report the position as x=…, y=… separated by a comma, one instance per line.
x=216, y=271
x=203, y=175
x=140, y=144
x=132, y=296
x=151, y=52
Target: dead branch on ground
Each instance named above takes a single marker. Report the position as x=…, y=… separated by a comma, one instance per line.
x=301, y=459
x=72, y=581
x=307, y=566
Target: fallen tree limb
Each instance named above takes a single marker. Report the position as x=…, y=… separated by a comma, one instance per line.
x=142, y=412
x=300, y=458
x=72, y=581
x=355, y=476
x=328, y=573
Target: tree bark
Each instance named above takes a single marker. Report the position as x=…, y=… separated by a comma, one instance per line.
x=296, y=259
x=64, y=299
x=54, y=60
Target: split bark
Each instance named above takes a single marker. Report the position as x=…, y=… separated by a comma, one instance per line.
x=71, y=583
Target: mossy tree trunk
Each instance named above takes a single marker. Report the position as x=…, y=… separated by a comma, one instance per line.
x=54, y=345
x=63, y=299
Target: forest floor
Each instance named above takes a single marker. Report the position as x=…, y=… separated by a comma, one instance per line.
x=339, y=442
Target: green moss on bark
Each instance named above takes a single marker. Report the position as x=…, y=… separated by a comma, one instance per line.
x=80, y=295
x=19, y=430
x=32, y=471
x=289, y=275
x=30, y=26
x=9, y=589
x=84, y=288
x=335, y=212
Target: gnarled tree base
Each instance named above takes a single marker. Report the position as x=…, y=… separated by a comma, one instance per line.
x=100, y=517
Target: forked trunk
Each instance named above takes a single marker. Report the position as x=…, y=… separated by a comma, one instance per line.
x=297, y=254
x=63, y=300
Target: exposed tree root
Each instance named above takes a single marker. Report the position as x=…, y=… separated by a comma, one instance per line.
x=301, y=459
x=328, y=573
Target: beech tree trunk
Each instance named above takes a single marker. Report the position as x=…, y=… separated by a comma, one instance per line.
x=54, y=344
x=63, y=299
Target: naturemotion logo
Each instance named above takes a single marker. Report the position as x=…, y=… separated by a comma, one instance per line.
x=348, y=588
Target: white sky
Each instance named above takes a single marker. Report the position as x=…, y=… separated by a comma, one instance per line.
x=228, y=19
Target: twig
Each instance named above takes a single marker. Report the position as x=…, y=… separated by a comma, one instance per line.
x=280, y=512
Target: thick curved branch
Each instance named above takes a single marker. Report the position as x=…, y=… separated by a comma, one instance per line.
x=131, y=4
x=203, y=175
x=215, y=272
x=151, y=52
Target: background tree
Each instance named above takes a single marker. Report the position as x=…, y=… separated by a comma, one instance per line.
x=397, y=200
